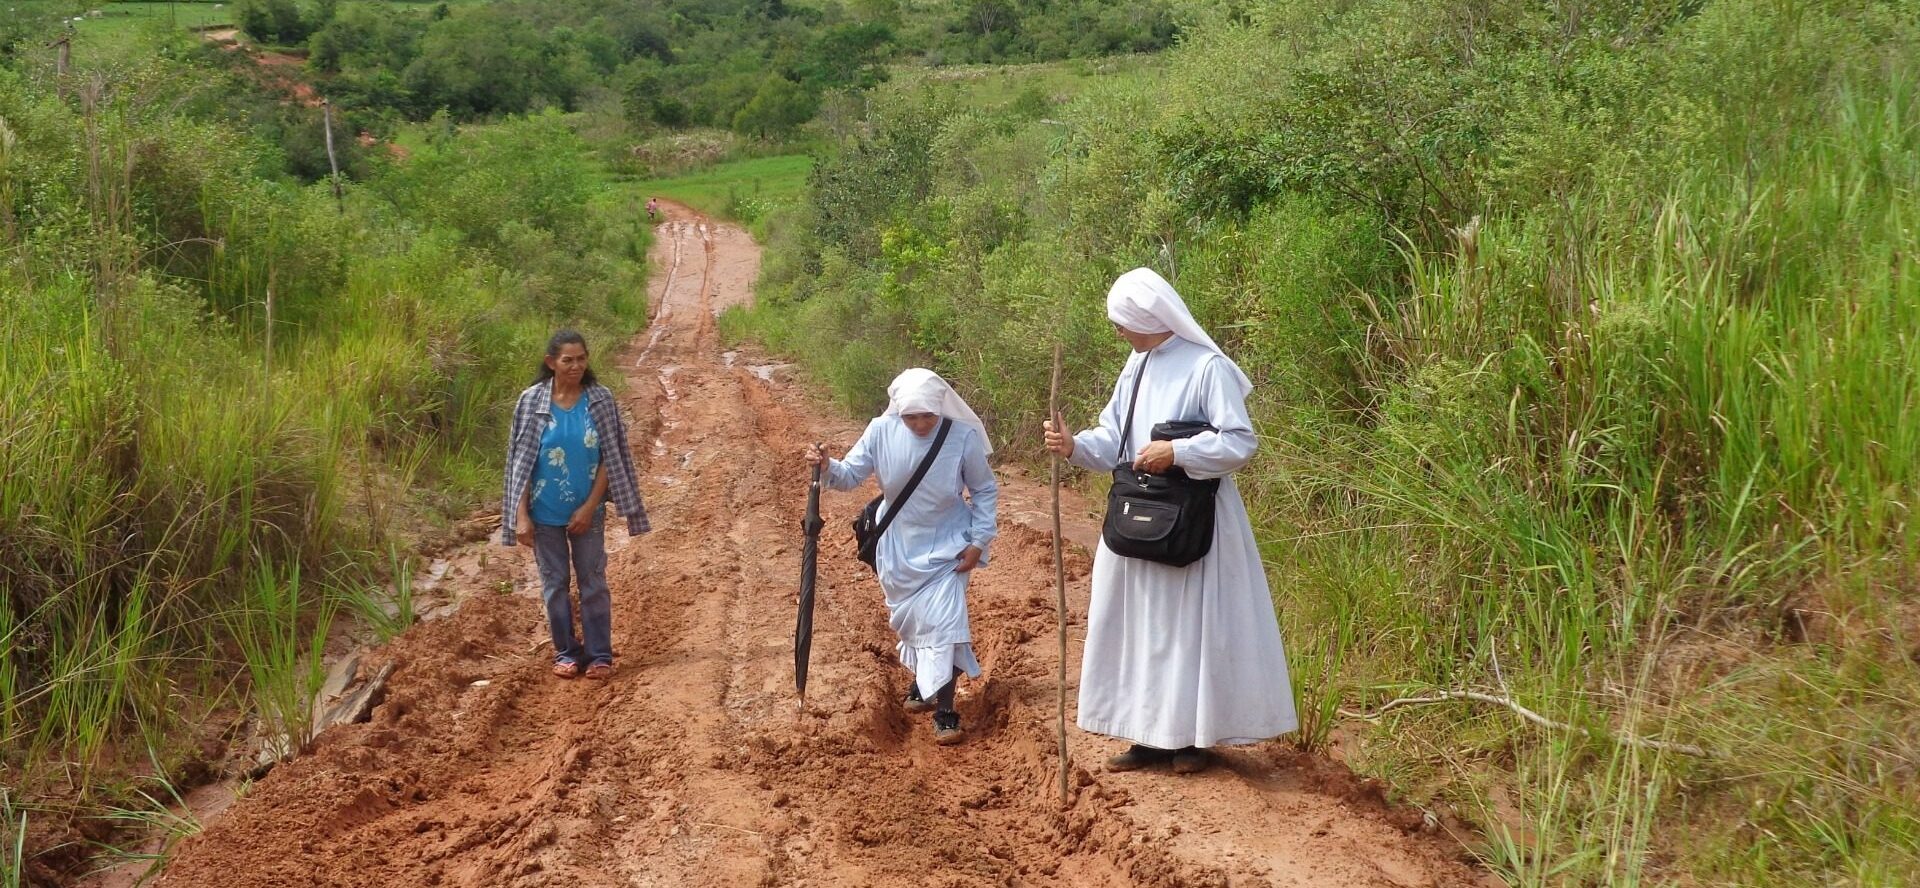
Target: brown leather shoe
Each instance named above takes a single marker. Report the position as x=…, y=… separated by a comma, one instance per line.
x=946, y=729
x=1137, y=757
x=1191, y=760
x=915, y=703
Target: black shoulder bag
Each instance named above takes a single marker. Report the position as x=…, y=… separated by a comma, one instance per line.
x=1166, y=517
x=869, y=526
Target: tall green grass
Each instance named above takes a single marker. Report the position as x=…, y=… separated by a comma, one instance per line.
x=231, y=405
x=1586, y=367
x=13, y=864
x=281, y=631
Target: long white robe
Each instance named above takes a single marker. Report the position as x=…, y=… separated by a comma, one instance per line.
x=926, y=597
x=1184, y=656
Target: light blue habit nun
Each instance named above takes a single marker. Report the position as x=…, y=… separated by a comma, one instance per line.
x=917, y=556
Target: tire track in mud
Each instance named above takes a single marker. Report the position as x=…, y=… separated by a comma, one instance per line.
x=693, y=766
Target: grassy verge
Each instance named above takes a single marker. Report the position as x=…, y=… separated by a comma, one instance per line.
x=745, y=191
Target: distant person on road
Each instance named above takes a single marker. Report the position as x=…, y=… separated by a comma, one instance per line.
x=1177, y=659
x=926, y=556
x=567, y=450
x=653, y=208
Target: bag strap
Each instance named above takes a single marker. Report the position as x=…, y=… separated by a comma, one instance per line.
x=926, y=463
x=1126, y=431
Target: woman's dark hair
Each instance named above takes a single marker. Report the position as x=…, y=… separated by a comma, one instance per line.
x=561, y=340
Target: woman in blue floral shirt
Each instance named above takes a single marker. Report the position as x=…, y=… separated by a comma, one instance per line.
x=566, y=453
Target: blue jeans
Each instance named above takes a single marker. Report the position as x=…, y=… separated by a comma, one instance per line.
x=555, y=551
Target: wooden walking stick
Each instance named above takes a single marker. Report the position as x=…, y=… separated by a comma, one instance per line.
x=1059, y=577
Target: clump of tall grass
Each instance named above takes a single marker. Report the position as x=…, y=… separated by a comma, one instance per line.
x=281, y=631
x=388, y=611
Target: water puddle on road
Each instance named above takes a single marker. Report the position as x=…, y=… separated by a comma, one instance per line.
x=666, y=382
x=765, y=372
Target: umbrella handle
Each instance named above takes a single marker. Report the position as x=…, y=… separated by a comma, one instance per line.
x=819, y=466
x=811, y=524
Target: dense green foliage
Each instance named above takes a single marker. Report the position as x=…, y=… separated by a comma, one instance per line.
x=225, y=393
x=1587, y=344
x=760, y=68
x=275, y=21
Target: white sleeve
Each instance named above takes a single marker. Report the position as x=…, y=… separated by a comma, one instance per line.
x=1098, y=448
x=849, y=473
x=1215, y=454
x=983, y=493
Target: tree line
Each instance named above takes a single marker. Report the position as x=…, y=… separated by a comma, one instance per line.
x=758, y=67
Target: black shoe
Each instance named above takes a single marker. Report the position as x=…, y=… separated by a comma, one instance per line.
x=946, y=728
x=1191, y=760
x=1137, y=757
x=914, y=702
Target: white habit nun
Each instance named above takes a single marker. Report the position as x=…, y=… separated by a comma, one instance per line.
x=918, y=555
x=1181, y=658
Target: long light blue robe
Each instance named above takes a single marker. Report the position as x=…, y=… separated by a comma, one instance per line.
x=926, y=597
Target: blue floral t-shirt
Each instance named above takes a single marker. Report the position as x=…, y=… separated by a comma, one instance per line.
x=568, y=464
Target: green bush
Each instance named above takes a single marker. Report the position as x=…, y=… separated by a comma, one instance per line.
x=274, y=21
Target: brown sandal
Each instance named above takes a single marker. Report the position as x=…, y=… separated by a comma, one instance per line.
x=566, y=669
x=600, y=671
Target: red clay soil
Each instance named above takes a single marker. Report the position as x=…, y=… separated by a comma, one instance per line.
x=693, y=765
x=276, y=70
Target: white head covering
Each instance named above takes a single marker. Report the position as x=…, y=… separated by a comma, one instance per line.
x=920, y=390
x=1142, y=301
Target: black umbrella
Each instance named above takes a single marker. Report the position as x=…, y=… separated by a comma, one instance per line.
x=809, y=563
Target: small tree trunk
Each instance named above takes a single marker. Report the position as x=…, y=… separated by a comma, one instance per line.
x=62, y=62
x=333, y=163
x=266, y=354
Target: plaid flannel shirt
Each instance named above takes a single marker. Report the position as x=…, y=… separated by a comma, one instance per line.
x=530, y=418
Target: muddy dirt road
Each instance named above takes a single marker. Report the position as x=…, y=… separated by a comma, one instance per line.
x=692, y=766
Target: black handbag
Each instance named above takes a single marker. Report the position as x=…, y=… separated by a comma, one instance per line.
x=1165, y=517
x=868, y=527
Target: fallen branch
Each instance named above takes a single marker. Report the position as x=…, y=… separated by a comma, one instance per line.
x=1529, y=715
